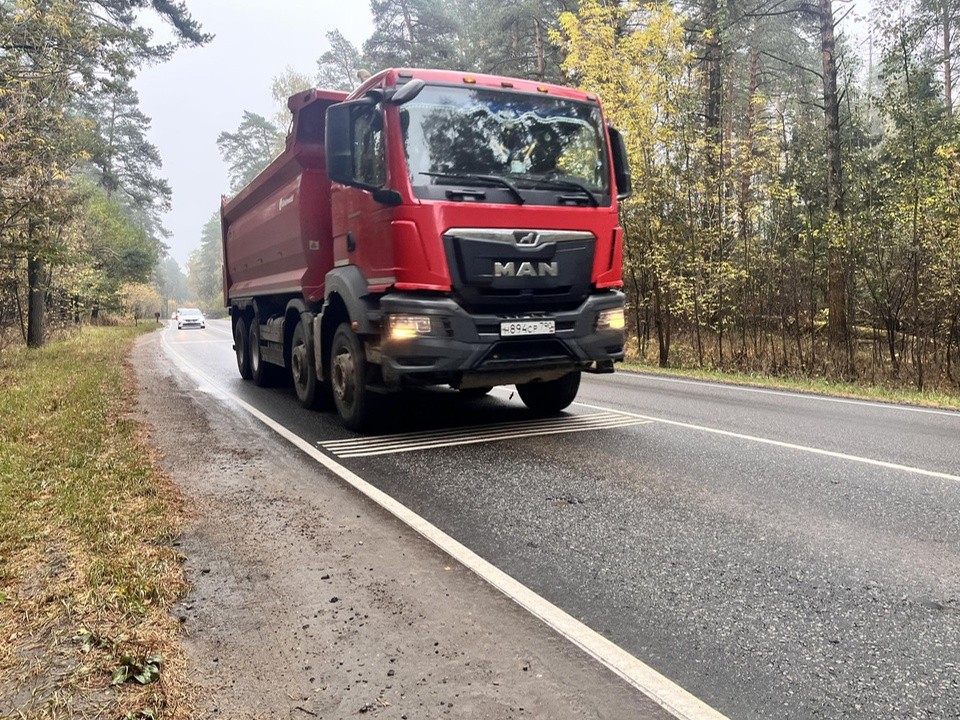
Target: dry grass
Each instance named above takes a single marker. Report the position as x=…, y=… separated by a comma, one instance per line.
x=88, y=569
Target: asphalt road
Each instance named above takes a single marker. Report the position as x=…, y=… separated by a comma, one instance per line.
x=777, y=555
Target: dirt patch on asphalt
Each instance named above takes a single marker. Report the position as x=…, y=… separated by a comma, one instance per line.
x=310, y=601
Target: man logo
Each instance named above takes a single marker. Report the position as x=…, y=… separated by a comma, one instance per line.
x=526, y=238
x=526, y=269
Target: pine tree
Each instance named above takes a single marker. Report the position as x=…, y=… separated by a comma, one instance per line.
x=414, y=33
x=250, y=148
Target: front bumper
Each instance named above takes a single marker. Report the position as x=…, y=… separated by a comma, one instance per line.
x=466, y=350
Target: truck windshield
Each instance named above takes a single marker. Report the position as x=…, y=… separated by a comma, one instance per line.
x=453, y=134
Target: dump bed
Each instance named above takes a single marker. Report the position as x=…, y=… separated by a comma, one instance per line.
x=277, y=231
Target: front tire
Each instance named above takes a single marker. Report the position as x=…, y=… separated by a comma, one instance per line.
x=348, y=377
x=551, y=397
x=241, y=343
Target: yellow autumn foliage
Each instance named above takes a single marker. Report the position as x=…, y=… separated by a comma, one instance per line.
x=632, y=55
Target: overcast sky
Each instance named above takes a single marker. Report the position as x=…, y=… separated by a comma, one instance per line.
x=203, y=91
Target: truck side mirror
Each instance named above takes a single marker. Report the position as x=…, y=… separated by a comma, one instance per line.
x=621, y=164
x=356, y=155
x=406, y=93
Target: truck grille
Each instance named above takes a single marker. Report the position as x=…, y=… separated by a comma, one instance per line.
x=510, y=270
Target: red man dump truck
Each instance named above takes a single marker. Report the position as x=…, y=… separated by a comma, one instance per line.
x=431, y=228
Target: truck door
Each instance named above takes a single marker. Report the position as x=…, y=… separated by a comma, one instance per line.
x=361, y=225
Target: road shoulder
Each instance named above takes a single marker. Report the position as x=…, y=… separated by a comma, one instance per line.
x=310, y=601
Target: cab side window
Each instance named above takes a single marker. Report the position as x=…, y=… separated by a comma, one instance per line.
x=370, y=156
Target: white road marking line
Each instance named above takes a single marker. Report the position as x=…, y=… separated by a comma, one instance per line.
x=878, y=404
x=427, y=445
x=487, y=436
x=451, y=432
x=666, y=693
x=200, y=341
x=489, y=430
x=216, y=328
x=782, y=444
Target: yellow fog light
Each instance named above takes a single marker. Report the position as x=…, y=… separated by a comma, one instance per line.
x=405, y=327
x=613, y=319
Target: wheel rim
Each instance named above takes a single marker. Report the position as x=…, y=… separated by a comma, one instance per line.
x=238, y=345
x=298, y=360
x=343, y=377
x=254, y=351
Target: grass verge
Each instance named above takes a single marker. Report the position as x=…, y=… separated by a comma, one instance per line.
x=816, y=386
x=88, y=570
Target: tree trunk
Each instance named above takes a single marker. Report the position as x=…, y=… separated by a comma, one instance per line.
x=696, y=322
x=743, y=204
x=36, y=294
x=918, y=337
x=661, y=319
x=890, y=326
x=947, y=51
x=797, y=301
x=541, y=53
x=838, y=329
x=713, y=132
x=20, y=315
x=408, y=25
x=812, y=290
x=636, y=311
x=952, y=337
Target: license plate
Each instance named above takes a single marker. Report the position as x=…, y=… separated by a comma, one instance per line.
x=514, y=328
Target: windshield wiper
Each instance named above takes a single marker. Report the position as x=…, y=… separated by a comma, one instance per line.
x=489, y=179
x=565, y=184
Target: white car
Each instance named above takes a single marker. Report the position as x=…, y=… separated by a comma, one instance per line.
x=190, y=317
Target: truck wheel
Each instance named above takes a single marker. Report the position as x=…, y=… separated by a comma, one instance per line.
x=242, y=345
x=261, y=372
x=549, y=398
x=348, y=373
x=310, y=391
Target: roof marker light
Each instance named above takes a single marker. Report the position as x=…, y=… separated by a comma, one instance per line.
x=542, y=88
x=469, y=80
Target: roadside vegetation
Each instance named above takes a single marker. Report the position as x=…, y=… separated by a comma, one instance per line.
x=81, y=198
x=88, y=566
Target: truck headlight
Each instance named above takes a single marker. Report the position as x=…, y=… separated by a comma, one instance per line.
x=612, y=319
x=405, y=327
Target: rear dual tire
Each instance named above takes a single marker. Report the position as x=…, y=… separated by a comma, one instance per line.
x=241, y=344
x=311, y=392
x=348, y=371
x=261, y=372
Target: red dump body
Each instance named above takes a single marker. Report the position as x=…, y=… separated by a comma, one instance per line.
x=277, y=230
